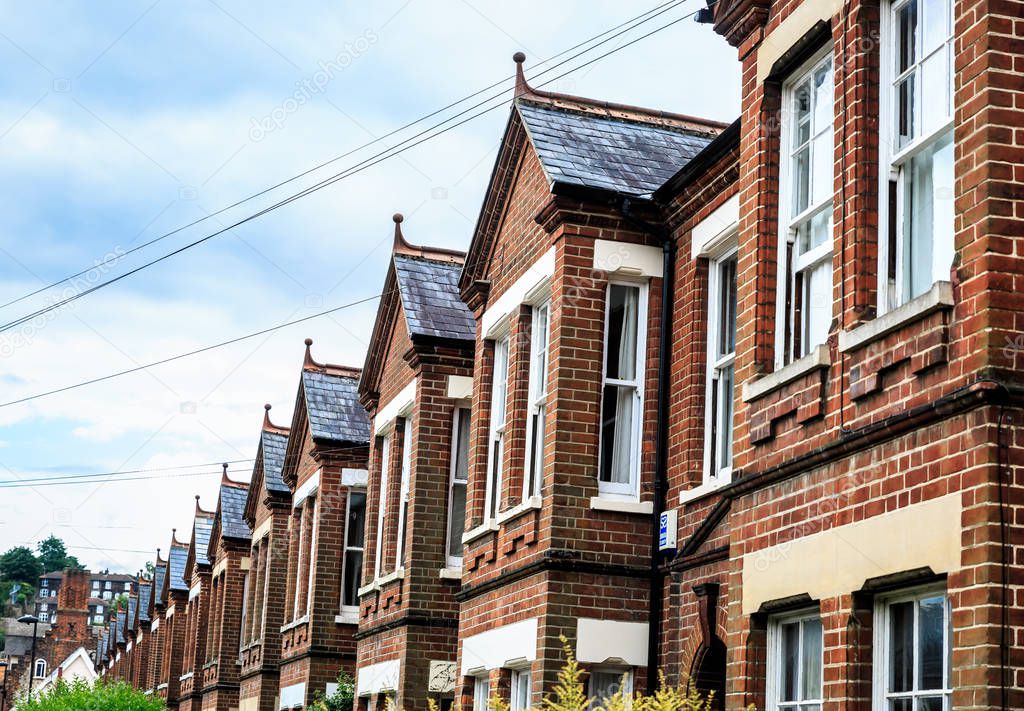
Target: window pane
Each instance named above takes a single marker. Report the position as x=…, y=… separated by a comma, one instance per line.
x=934, y=25
x=605, y=684
x=540, y=351
x=824, y=108
x=811, y=662
x=901, y=647
x=935, y=91
x=931, y=642
x=801, y=180
x=929, y=703
x=723, y=403
x=901, y=705
x=928, y=218
x=536, y=451
x=462, y=445
x=458, y=520
x=499, y=392
x=727, y=307
x=906, y=33
x=621, y=358
x=617, y=433
x=790, y=658
x=817, y=305
x=353, y=575
x=814, y=232
x=822, y=184
x=356, y=519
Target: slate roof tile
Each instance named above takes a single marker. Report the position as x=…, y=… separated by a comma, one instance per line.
x=274, y=445
x=177, y=557
x=232, y=512
x=158, y=578
x=145, y=594
x=429, y=292
x=333, y=407
x=596, y=151
x=203, y=529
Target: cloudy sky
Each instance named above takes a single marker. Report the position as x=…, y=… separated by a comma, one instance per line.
x=121, y=122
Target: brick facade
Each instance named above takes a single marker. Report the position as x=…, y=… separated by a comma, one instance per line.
x=836, y=463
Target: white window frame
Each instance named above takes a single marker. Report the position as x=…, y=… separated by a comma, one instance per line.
x=481, y=692
x=630, y=490
x=775, y=657
x=880, y=662
x=403, y=493
x=461, y=408
x=348, y=547
x=40, y=663
x=382, y=504
x=312, y=500
x=892, y=161
x=44, y=616
x=790, y=265
x=716, y=365
x=245, y=609
x=522, y=680
x=497, y=427
x=540, y=348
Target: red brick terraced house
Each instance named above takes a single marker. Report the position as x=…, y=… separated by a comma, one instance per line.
x=325, y=462
x=156, y=627
x=267, y=513
x=119, y=643
x=565, y=278
x=141, y=638
x=417, y=386
x=174, y=623
x=874, y=483
x=130, y=653
x=198, y=567
x=230, y=541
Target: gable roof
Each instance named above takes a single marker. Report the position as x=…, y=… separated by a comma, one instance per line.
x=119, y=626
x=273, y=445
x=603, y=151
x=159, y=575
x=231, y=509
x=332, y=407
x=423, y=284
x=145, y=596
x=133, y=608
x=177, y=557
x=594, y=149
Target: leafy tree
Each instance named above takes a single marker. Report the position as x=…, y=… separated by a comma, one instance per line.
x=20, y=565
x=150, y=570
x=343, y=699
x=53, y=555
x=104, y=696
x=119, y=603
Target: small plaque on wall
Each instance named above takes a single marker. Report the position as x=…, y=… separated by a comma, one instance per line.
x=442, y=677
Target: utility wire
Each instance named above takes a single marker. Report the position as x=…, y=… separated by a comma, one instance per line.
x=638, y=19
x=51, y=477
x=187, y=354
x=348, y=172
x=140, y=477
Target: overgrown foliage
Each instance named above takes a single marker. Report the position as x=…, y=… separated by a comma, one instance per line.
x=101, y=696
x=343, y=698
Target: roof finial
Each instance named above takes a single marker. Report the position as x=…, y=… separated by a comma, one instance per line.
x=521, y=86
x=400, y=242
x=267, y=424
x=224, y=473
x=307, y=361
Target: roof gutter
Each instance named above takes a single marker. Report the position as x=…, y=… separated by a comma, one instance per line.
x=657, y=577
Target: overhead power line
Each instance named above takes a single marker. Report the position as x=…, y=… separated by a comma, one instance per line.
x=409, y=143
x=643, y=17
x=148, y=470
x=187, y=354
x=84, y=479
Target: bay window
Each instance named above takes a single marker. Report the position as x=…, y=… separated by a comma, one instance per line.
x=805, y=210
x=403, y=494
x=721, y=363
x=538, y=390
x=622, y=390
x=457, y=490
x=916, y=146
x=496, y=449
x=912, y=653
x=795, y=659
x=382, y=504
x=352, y=563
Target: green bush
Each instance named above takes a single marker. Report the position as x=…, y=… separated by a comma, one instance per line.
x=341, y=700
x=101, y=696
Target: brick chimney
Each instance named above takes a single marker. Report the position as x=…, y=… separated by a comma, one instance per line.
x=71, y=630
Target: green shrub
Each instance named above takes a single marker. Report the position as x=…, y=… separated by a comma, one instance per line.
x=343, y=699
x=102, y=696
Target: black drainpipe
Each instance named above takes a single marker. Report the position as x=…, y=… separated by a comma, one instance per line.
x=668, y=258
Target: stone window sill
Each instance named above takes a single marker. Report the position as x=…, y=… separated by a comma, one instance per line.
x=815, y=360
x=348, y=617
x=939, y=297
x=480, y=531
x=531, y=504
x=600, y=503
x=707, y=488
x=450, y=573
x=380, y=582
x=295, y=623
